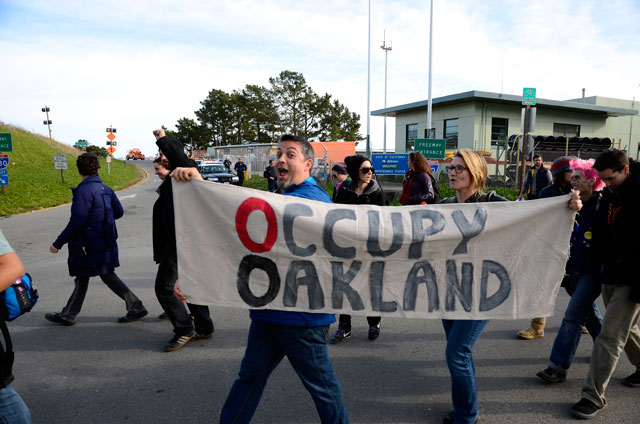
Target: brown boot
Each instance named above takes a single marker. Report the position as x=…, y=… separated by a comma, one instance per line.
x=536, y=330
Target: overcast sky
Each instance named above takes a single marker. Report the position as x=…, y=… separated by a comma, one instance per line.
x=138, y=64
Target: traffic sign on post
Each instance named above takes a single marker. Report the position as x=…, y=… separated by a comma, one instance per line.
x=4, y=161
x=59, y=161
x=111, y=149
x=431, y=148
x=111, y=137
x=5, y=142
x=529, y=96
x=4, y=180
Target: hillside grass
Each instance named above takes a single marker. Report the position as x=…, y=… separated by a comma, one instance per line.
x=35, y=184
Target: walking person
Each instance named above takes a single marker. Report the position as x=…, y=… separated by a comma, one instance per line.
x=91, y=235
x=418, y=185
x=274, y=334
x=12, y=408
x=467, y=177
x=165, y=254
x=340, y=176
x=581, y=280
x=270, y=175
x=240, y=168
x=616, y=233
x=561, y=171
x=537, y=178
x=227, y=163
x=362, y=190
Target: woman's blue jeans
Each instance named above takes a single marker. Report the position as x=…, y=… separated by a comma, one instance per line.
x=581, y=311
x=461, y=336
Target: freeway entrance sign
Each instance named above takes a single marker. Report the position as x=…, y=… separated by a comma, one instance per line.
x=5, y=142
x=431, y=148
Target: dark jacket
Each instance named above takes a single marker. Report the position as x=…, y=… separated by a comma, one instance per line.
x=270, y=172
x=164, y=227
x=308, y=189
x=91, y=232
x=417, y=188
x=477, y=197
x=240, y=167
x=542, y=178
x=372, y=194
x=616, y=229
x=554, y=190
x=580, y=257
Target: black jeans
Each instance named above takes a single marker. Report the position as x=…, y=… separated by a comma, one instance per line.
x=344, y=322
x=175, y=309
x=74, y=304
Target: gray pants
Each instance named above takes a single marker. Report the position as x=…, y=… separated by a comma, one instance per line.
x=74, y=304
x=619, y=331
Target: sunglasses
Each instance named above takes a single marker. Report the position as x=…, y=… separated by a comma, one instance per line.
x=458, y=168
x=366, y=170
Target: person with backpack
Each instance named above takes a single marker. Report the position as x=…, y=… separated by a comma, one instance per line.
x=91, y=235
x=419, y=187
x=12, y=407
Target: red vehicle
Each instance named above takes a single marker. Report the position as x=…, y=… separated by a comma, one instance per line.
x=135, y=154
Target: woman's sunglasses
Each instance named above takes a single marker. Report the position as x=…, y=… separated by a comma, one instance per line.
x=366, y=170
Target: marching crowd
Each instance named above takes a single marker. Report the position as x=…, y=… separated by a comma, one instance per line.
x=605, y=192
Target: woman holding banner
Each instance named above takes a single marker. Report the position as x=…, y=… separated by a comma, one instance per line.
x=467, y=176
x=417, y=187
x=361, y=190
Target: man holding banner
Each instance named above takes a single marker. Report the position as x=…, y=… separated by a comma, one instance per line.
x=301, y=336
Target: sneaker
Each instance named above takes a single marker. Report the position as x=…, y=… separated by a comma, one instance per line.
x=448, y=419
x=633, y=380
x=552, y=376
x=178, y=341
x=584, y=330
x=57, y=318
x=340, y=336
x=199, y=336
x=374, y=331
x=585, y=409
x=530, y=334
x=133, y=317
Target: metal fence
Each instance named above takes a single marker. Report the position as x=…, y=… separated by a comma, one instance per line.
x=255, y=156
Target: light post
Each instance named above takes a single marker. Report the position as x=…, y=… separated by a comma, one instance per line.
x=368, y=145
x=48, y=122
x=386, y=51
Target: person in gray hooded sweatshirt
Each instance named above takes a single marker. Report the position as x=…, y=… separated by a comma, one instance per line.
x=362, y=190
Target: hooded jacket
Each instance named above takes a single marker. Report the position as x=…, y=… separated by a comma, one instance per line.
x=372, y=194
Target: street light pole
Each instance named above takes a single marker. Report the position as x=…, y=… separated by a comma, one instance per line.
x=48, y=122
x=430, y=48
x=368, y=145
x=386, y=51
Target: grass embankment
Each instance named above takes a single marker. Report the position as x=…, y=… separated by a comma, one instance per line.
x=35, y=184
x=512, y=194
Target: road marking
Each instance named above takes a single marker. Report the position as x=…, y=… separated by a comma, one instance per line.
x=125, y=197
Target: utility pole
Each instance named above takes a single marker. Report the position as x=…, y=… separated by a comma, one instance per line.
x=525, y=147
x=429, y=102
x=368, y=145
x=386, y=51
x=48, y=122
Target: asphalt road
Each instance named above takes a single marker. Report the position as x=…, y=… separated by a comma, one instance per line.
x=99, y=371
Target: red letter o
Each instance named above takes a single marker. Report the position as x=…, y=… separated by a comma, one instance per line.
x=242, y=215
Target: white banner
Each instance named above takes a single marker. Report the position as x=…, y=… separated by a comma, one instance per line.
x=253, y=249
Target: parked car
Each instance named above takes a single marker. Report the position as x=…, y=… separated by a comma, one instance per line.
x=218, y=173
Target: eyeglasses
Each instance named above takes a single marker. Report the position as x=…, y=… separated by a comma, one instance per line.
x=458, y=168
x=366, y=170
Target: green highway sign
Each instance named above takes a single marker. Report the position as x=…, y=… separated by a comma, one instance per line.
x=431, y=148
x=529, y=96
x=5, y=142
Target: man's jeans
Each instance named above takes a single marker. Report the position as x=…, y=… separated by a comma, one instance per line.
x=582, y=311
x=461, y=336
x=306, y=349
x=619, y=331
x=115, y=284
x=12, y=408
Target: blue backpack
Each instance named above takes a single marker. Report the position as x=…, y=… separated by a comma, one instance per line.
x=18, y=298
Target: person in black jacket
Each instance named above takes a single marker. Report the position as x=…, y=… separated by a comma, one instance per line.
x=165, y=254
x=270, y=175
x=616, y=231
x=240, y=168
x=362, y=190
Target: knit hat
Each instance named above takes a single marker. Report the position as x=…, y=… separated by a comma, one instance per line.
x=353, y=165
x=561, y=164
x=340, y=169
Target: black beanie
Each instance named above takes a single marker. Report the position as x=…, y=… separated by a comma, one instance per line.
x=353, y=165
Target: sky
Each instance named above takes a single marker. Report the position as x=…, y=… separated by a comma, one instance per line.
x=137, y=65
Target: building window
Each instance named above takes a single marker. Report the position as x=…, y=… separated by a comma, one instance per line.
x=412, y=134
x=567, y=130
x=499, y=127
x=430, y=133
x=451, y=133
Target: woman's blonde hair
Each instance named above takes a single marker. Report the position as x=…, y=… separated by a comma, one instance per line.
x=477, y=167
